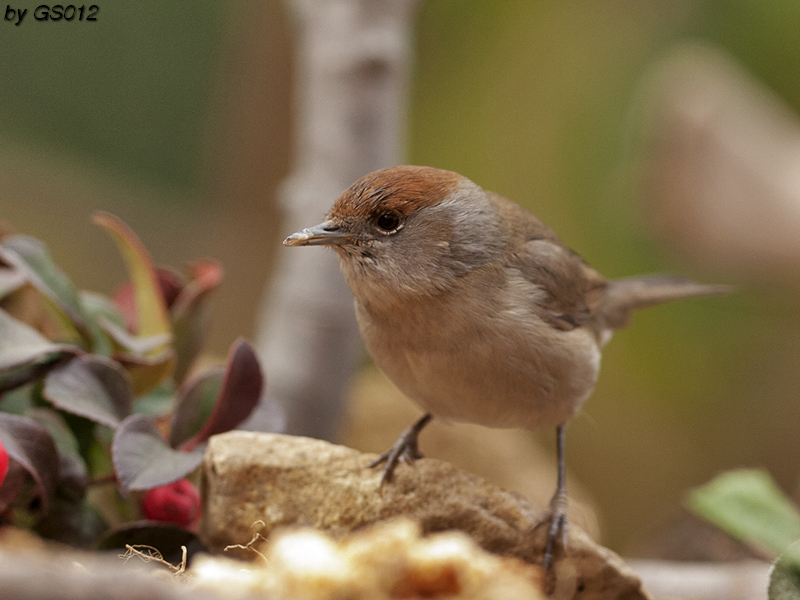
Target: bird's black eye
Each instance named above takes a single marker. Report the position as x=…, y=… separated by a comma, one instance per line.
x=388, y=221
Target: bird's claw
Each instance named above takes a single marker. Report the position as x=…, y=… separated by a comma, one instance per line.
x=556, y=520
x=556, y=536
x=405, y=449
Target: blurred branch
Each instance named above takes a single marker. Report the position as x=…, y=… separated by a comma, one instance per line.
x=71, y=576
x=703, y=581
x=722, y=157
x=352, y=73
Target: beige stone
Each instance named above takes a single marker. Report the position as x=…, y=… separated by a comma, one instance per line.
x=293, y=481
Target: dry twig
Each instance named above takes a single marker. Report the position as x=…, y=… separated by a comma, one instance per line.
x=151, y=554
x=249, y=545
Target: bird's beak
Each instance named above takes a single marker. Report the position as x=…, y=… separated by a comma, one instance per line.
x=325, y=234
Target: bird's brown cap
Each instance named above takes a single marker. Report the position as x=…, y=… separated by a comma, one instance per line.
x=403, y=189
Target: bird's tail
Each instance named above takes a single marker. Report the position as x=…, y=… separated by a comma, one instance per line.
x=624, y=296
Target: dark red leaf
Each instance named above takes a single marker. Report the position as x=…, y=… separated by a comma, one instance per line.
x=205, y=275
x=190, y=314
x=14, y=485
x=30, y=445
x=72, y=471
x=196, y=401
x=72, y=521
x=94, y=387
x=241, y=391
x=142, y=458
x=25, y=354
x=31, y=257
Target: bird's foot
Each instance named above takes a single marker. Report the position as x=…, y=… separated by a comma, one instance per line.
x=405, y=449
x=555, y=519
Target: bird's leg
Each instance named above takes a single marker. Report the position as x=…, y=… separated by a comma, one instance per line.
x=406, y=448
x=557, y=513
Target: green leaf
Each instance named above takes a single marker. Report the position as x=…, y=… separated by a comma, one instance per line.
x=98, y=458
x=94, y=387
x=30, y=306
x=784, y=579
x=31, y=257
x=25, y=354
x=151, y=309
x=58, y=326
x=147, y=372
x=157, y=402
x=129, y=343
x=18, y=401
x=748, y=505
x=142, y=458
x=97, y=307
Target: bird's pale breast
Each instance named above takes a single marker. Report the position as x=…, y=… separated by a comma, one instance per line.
x=497, y=364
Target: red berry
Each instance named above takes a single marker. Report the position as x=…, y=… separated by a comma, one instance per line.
x=177, y=503
x=3, y=462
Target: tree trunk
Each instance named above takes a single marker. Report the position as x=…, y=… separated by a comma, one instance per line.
x=352, y=79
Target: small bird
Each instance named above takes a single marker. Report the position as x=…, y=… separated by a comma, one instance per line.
x=475, y=309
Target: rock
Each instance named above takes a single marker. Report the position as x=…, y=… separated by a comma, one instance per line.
x=292, y=481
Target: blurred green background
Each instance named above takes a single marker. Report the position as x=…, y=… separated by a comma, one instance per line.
x=177, y=117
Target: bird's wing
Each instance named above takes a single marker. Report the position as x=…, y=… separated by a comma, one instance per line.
x=572, y=289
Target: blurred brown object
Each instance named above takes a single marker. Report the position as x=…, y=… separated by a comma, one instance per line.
x=721, y=171
x=390, y=559
x=14, y=539
x=510, y=458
